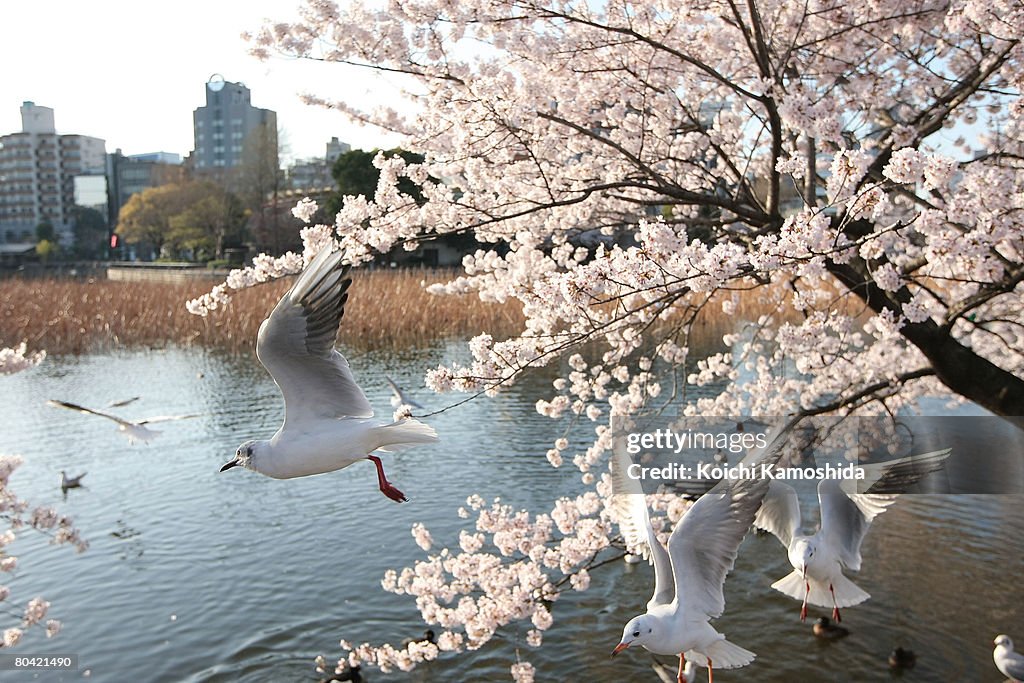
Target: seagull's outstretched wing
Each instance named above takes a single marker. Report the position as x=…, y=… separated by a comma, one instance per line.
x=896, y=476
x=296, y=345
x=776, y=440
x=400, y=397
x=123, y=402
x=629, y=507
x=703, y=545
x=89, y=411
x=845, y=518
x=780, y=512
x=165, y=418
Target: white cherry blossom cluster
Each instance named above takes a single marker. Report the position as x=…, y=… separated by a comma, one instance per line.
x=21, y=515
x=513, y=567
x=18, y=358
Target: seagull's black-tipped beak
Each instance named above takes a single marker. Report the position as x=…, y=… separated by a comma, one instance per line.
x=229, y=465
x=620, y=647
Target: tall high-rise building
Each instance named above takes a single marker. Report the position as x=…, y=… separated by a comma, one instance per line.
x=223, y=125
x=38, y=171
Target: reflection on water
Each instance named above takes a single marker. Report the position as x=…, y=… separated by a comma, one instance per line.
x=200, y=576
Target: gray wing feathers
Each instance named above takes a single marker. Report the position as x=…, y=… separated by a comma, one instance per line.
x=704, y=544
x=1013, y=666
x=87, y=411
x=896, y=476
x=296, y=345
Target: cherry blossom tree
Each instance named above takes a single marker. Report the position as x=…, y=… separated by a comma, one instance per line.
x=638, y=168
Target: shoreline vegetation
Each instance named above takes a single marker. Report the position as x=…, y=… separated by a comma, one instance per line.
x=386, y=309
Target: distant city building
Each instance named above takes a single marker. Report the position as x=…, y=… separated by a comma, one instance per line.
x=335, y=148
x=157, y=157
x=222, y=126
x=137, y=172
x=315, y=174
x=38, y=172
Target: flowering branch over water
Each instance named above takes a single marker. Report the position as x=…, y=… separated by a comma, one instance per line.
x=512, y=567
x=19, y=514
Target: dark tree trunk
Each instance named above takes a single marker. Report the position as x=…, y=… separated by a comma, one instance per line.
x=955, y=365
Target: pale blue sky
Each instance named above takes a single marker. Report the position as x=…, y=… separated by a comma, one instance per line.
x=132, y=72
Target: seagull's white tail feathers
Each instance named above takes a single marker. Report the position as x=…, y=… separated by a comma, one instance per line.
x=848, y=593
x=723, y=655
x=404, y=434
x=791, y=584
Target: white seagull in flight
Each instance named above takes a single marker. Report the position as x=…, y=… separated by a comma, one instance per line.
x=399, y=397
x=137, y=432
x=819, y=559
x=327, y=423
x=689, y=576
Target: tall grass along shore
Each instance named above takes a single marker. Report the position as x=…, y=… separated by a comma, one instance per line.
x=386, y=308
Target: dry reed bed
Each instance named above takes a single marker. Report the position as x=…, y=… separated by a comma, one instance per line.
x=385, y=309
x=389, y=309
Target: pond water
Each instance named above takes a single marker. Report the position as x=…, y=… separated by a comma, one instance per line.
x=194, y=575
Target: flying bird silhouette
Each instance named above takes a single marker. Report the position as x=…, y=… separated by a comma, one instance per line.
x=399, y=396
x=137, y=432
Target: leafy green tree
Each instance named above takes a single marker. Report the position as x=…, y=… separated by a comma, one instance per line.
x=47, y=249
x=145, y=217
x=90, y=231
x=196, y=215
x=356, y=175
x=45, y=232
x=212, y=222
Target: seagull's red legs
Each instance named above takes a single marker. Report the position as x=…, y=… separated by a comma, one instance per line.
x=711, y=672
x=803, y=607
x=385, y=486
x=835, y=606
x=681, y=677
